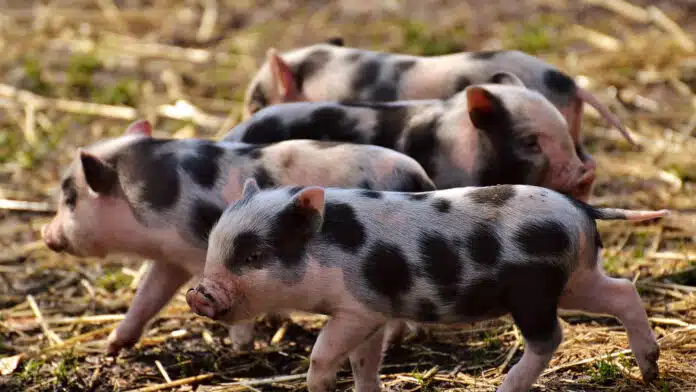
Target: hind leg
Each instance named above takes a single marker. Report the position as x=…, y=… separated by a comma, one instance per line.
x=531, y=296
x=595, y=292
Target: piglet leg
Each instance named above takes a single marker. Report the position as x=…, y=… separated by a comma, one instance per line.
x=365, y=362
x=595, y=292
x=242, y=335
x=161, y=282
x=340, y=336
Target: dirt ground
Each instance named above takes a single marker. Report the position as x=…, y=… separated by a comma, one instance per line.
x=74, y=72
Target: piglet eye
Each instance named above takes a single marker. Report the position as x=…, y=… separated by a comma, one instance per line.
x=70, y=198
x=531, y=143
x=254, y=257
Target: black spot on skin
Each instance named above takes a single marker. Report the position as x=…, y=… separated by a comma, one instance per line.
x=293, y=229
x=402, y=66
x=384, y=92
x=309, y=66
x=264, y=178
x=480, y=299
x=370, y=194
x=248, y=251
x=204, y=215
x=252, y=151
x=67, y=187
x=496, y=195
x=342, y=227
x=442, y=205
x=366, y=75
x=335, y=41
x=259, y=130
x=391, y=122
x=483, y=245
x=361, y=363
x=419, y=196
x=485, y=54
x=364, y=184
x=531, y=294
x=325, y=123
x=461, y=83
x=558, y=82
x=427, y=311
x=543, y=238
x=441, y=264
x=421, y=144
x=387, y=272
x=153, y=171
x=204, y=165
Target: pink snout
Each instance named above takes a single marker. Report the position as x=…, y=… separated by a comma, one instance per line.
x=202, y=302
x=53, y=241
x=583, y=188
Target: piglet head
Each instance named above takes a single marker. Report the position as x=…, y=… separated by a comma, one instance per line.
x=91, y=206
x=257, y=240
x=528, y=138
x=275, y=83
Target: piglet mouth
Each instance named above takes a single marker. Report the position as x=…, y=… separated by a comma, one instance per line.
x=204, y=304
x=53, y=242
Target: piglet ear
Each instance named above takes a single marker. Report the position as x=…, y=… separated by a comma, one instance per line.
x=251, y=187
x=486, y=111
x=99, y=175
x=507, y=78
x=310, y=203
x=283, y=86
x=140, y=127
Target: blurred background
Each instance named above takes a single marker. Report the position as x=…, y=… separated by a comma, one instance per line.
x=74, y=72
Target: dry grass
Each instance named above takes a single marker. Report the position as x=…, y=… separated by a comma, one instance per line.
x=76, y=71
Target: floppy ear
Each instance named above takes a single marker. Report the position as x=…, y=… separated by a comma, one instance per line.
x=308, y=204
x=141, y=127
x=99, y=175
x=283, y=85
x=507, y=78
x=486, y=111
x=251, y=187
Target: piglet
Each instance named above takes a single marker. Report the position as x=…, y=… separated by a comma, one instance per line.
x=327, y=71
x=485, y=135
x=366, y=258
x=158, y=198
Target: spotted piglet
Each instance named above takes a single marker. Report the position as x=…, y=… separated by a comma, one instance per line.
x=485, y=135
x=329, y=71
x=158, y=198
x=460, y=255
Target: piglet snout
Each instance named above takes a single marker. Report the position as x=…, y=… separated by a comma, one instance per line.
x=201, y=302
x=583, y=187
x=53, y=242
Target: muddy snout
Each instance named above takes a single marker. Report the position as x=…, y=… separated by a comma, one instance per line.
x=202, y=302
x=53, y=242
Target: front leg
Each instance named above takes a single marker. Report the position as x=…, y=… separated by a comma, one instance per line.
x=159, y=285
x=340, y=336
x=365, y=362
